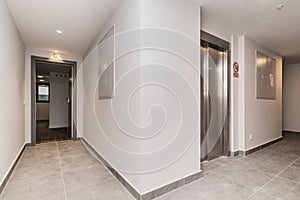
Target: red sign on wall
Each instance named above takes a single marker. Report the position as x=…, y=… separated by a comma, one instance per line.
x=236, y=69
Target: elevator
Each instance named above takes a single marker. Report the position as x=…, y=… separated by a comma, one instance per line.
x=214, y=97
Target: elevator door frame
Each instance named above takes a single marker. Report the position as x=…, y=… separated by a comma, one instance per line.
x=222, y=44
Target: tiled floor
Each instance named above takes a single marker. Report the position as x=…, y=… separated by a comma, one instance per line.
x=66, y=170
x=44, y=134
x=269, y=174
x=59, y=171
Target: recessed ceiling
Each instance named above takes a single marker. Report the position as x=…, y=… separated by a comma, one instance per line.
x=79, y=20
x=277, y=30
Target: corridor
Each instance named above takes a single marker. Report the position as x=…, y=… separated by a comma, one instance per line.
x=67, y=170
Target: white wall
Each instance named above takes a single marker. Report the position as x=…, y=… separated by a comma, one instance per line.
x=42, y=111
x=263, y=118
x=47, y=53
x=12, y=92
x=181, y=19
x=59, y=92
x=236, y=97
x=291, y=97
x=215, y=30
x=125, y=17
x=140, y=106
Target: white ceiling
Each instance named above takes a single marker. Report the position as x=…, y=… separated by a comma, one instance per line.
x=260, y=21
x=80, y=21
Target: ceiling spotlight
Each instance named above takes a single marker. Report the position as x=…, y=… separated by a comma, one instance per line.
x=55, y=55
x=59, y=31
x=279, y=7
x=39, y=76
x=55, y=51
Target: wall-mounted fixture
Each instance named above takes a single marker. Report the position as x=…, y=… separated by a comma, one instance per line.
x=55, y=55
x=279, y=7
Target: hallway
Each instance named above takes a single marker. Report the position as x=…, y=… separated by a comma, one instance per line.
x=66, y=170
x=61, y=170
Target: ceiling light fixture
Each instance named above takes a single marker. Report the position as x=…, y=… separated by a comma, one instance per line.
x=42, y=80
x=279, y=7
x=39, y=76
x=59, y=31
x=55, y=55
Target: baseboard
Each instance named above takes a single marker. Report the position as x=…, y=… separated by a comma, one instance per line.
x=152, y=194
x=119, y=177
x=254, y=149
x=171, y=186
x=294, y=132
x=236, y=153
x=12, y=168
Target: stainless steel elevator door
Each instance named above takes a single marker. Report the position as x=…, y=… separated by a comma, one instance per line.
x=214, y=101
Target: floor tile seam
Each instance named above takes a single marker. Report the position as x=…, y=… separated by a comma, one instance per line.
x=190, y=190
x=264, y=159
x=46, y=143
x=70, y=153
x=30, y=179
x=61, y=173
x=88, y=185
x=49, y=153
x=207, y=170
x=222, y=164
x=251, y=158
x=67, y=156
x=288, y=180
x=260, y=170
x=96, y=157
x=105, y=167
x=277, y=175
x=235, y=181
x=252, y=168
x=125, y=189
x=79, y=168
x=74, y=156
x=40, y=164
x=296, y=166
x=277, y=150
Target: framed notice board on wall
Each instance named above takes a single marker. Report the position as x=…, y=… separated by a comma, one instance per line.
x=265, y=76
x=106, y=52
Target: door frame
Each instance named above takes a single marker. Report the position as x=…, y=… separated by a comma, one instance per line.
x=218, y=42
x=73, y=64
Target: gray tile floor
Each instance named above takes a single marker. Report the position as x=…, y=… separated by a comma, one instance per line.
x=66, y=170
x=59, y=171
x=272, y=173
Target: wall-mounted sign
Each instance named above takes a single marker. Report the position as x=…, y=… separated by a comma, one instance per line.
x=236, y=69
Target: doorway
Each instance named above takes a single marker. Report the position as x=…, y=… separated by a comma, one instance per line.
x=53, y=99
x=214, y=97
